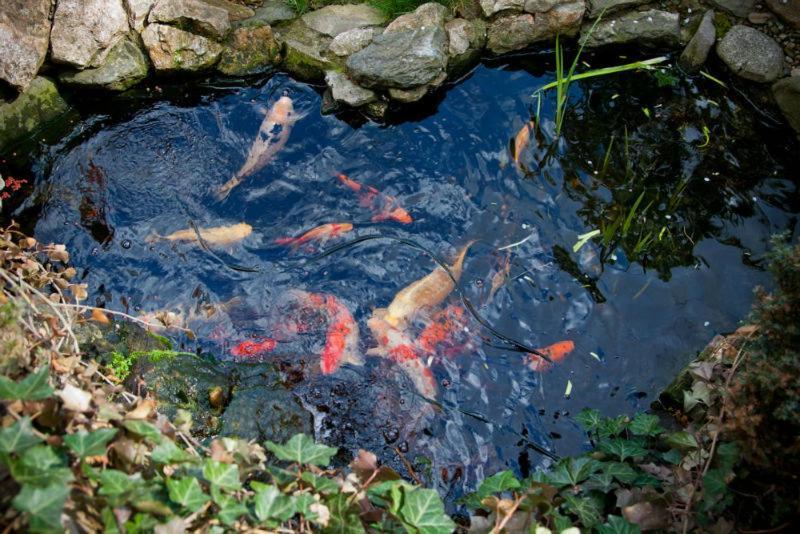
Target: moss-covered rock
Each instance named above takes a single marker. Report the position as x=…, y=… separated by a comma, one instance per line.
x=305, y=51
x=250, y=49
x=40, y=104
x=124, y=67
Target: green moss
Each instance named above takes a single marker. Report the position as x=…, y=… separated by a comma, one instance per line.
x=165, y=343
x=722, y=23
x=122, y=363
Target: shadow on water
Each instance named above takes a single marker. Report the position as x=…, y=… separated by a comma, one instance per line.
x=682, y=181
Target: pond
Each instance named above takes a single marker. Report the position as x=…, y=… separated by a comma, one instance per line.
x=684, y=180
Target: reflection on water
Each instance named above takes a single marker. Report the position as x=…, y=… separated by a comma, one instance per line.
x=684, y=195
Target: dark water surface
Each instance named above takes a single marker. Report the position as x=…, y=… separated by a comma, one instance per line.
x=672, y=275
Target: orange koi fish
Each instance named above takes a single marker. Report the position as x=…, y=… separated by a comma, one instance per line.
x=320, y=233
x=250, y=348
x=443, y=328
x=522, y=140
x=386, y=207
x=341, y=340
x=556, y=352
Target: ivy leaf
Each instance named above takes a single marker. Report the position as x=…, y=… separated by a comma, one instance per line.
x=621, y=471
x=587, y=509
x=344, y=519
x=599, y=481
x=303, y=502
x=43, y=505
x=301, y=449
x=114, y=483
x=700, y=393
x=423, y=510
x=18, y=436
x=169, y=453
x=225, y=476
x=321, y=484
x=35, y=386
x=727, y=456
x=616, y=525
x=612, y=426
x=682, y=440
x=232, y=511
x=715, y=483
x=672, y=456
x=572, y=471
x=645, y=425
x=588, y=418
x=85, y=444
x=271, y=504
x=622, y=448
x=40, y=466
x=187, y=492
x=497, y=483
x=144, y=429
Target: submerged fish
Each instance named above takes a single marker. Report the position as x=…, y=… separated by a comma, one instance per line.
x=385, y=207
x=522, y=140
x=425, y=293
x=320, y=233
x=499, y=278
x=251, y=348
x=443, y=329
x=217, y=236
x=271, y=138
x=556, y=352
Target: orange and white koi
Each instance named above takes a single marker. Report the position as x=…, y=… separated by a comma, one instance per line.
x=556, y=352
x=441, y=333
x=271, y=138
x=219, y=236
x=320, y=233
x=522, y=140
x=385, y=207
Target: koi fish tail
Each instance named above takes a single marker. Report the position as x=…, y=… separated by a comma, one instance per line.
x=153, y=237
x=223, y=192
x=352, y=184
x=285, y=241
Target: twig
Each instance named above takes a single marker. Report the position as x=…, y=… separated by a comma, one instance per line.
x=124, y=315
x=408, y=466
x=507, y=518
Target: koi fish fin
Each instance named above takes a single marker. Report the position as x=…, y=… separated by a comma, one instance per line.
x=285, y=241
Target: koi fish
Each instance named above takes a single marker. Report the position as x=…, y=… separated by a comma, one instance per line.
x=556, y=352
x=271, y=138
x=219, y=236
x=320, y=233
x=522, y=140
x=251, y=348
x=499, y=278
x=386, y=207
x=442, y=329
x=425, y=293
x=94, y=205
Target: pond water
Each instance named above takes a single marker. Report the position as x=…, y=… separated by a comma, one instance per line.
x=685, y=219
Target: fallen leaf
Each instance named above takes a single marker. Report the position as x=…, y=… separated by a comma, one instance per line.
x=99, y=316
x=364, y=464
x=142, y=410
x=647, y=516
x=322, y=513
x=75, y=399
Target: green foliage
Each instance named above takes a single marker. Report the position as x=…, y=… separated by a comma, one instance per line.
x=35, y=386
x=85, y=444
x=298, y=6
x=394, y=8
x=302, y=450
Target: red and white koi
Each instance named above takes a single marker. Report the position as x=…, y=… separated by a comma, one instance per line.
x=385, y=207
x=556, y=352
x=320, y=233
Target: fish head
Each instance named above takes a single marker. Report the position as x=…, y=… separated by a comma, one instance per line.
x=282, y=111
x=401, y=215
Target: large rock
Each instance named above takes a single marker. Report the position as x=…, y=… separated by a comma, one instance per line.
x=787, y=95
x=466, y=40
x=265, y=412
x=85, y=30
x=249, y=49
x=35, y=107
x=171, y=49
x=305, y=51
x=236, y=12
x=124, y=67
x=272, y=11
x=490, y=7
x=651, y=28
x=24, y=37
x=351, y=41
x=696, y=52
x=138, y=10
x=751, y=54
x=333, y=20
x=516, y=31
x=430, y=14
x=403, y=59
x=740, y=8
x=347, y=92
x=596, y=7
x=197, y=16
x=788, y=10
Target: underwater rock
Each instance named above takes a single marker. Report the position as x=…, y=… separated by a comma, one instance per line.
x=344, y=90
x=787, y=10
x=272, y=11
x=138, y=10
x=35, y=107
x=265, y=412
x=249, y=49
x=351, y=41
x=401, y=59
x=335, y=19
x=466, y=41
x=426, y=15
x=740, y=8
x=196, y=15
x=787, y=95
x=85, y=30
x=24, y=38
x=516, y=31
x=696, y=52
x=304, y=52
x=408, y=95
x=751, y=54
x=171, y=49
x=124, y=67
x=650, y=28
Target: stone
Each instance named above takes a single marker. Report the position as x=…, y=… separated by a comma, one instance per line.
x=787, y=95
x=540, y=6
x=249, y=50
x=345, y=91
x=512, y=32
x=335, y=19
x=759, y=17
x=172, y=49
x=85, y=30
x=650, y=28
x=696, y=52
x=38, y=105
x=304, y=51
x=236, y=12
x=272, y=11
x=265, y=412
x=740, y=8
x=124, y=67
x=197, y=16
x=430, y=14
x=751, y=54
x=351, y=41
x=466, y=39
x=138, y=10
x=408, y=95
x=468, y=9
x=377, y=110
x=24, y=38
x=788, y=10
x=596, y=7
x=490, y=7
x=403, y=59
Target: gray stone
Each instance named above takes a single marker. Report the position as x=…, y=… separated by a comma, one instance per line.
x=788, y=10
x=304, y=50
x=403, y=59
x=787, y=95
x=333, y=20
x=344, y=90
x=171, y=49
x=740, y=8
x=430, y=14
x=540, y=6
x=751, y=54
x=650, y=28
x=24, y=37
x=248, y=50
x=408, y=95
x=377, y=110
x=272, y=11
x=236, y=12
x=467, y=39
x=138, y=10
x=85, y=30
x=696, y=52
x=196, y=15
x=124, y=67
x=611, y=6
x=490, y=7
x=265, y=412
x=351, y=41
x=39, y=104
x=516, y=31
